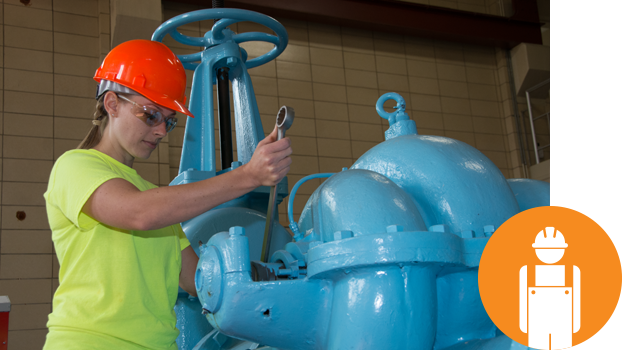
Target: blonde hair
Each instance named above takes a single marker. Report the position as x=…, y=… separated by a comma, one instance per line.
x=100, y=119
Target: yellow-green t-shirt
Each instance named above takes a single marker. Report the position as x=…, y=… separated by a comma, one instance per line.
x=117, y=288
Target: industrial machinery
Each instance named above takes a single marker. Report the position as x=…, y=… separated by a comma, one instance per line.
x=385, y=254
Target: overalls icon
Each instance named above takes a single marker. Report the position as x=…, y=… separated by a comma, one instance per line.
x=549, y=311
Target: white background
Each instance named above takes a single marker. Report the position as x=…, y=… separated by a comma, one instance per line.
x=587, y=109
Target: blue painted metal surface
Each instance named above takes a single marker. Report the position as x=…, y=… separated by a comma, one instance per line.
x=192, y=324
x=452, y=183
x=382, y=204
x=293, y=225
x=385, y=254
x=219, y=48
x=530, y=193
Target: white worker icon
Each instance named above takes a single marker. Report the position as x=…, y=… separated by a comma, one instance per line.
x=549, y=311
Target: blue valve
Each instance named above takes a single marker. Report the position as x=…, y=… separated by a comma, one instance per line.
x=220, y=33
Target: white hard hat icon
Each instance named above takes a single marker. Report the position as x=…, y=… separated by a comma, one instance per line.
x=549, y=238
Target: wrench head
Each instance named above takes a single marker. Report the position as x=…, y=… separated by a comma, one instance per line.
x=285, y=117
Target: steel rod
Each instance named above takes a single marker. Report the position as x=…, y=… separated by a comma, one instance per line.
x=542, y=115
x=529, y=109
x=269, y=225
x=543, y=147
x=517, y=116
x=225, y=125
x=531, y=115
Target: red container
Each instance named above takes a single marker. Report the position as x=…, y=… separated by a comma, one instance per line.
x=5, y=308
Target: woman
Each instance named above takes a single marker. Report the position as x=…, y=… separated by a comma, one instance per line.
x=121, y=250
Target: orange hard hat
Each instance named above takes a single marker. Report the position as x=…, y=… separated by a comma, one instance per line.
x=150, y=69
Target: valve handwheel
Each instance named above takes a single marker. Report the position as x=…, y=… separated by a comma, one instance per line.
x=218, y=34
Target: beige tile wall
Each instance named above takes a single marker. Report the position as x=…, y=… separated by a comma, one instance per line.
x=513, y=142
x=48, y=56
x=332, y=76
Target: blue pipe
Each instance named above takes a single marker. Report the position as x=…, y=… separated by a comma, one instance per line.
x=293, y=225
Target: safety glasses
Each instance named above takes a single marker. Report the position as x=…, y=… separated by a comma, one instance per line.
x=151, y=116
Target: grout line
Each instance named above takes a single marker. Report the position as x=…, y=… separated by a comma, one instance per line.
x=48, y=94
x=40, y=137
x=53, y=148
x=445, y=129
x=48, y=72
x=3, y=118
x=51, y=73
x=53, y=10
x=370, y=71
x=51, y=30
x=466, y=76
x=27, y=279
x=314, y=112
x=19, y=278
x=26, y=206
x=39, y=230
x=58, y=52
x=27, y=304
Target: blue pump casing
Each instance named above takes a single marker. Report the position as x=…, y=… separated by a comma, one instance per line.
x=385, y=254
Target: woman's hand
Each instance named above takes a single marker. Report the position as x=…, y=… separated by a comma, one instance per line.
x=271, y=160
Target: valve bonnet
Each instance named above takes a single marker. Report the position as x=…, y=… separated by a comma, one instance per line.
x=151, y=69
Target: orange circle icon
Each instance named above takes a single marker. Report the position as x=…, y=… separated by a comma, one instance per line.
x=550, y=278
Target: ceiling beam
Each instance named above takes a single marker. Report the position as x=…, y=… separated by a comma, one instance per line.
x=404, y=18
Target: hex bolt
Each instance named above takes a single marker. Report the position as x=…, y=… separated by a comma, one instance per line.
x=237, y=231
x=467, y=234
x=394, y=228
x=231, y=62
x=438, y=228
x=339, y=235
x=489, y=230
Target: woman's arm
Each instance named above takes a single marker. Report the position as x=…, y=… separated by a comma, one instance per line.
x=187, y=274
x=119, y=203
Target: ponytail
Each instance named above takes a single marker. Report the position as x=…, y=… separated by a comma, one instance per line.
x=100, y=119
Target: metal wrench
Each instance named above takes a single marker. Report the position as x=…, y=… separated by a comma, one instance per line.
x=284, y=120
